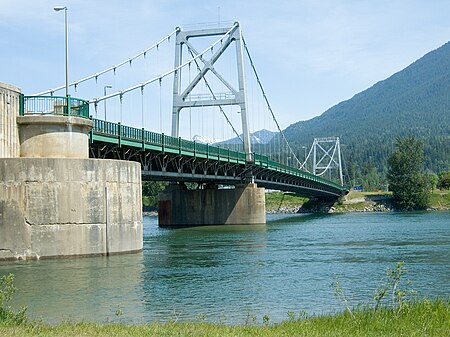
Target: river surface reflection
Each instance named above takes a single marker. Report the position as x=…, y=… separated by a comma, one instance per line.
x=228, y=273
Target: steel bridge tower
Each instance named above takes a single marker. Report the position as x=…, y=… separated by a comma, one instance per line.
x=327, y=156
x=182, y=98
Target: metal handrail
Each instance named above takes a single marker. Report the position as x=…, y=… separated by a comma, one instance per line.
x=70, y=106
x=198, y=149
x=53, y=105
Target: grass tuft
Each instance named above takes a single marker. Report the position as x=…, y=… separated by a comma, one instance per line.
x=419, y=318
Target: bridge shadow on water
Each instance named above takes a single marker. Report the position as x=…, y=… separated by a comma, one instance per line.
x=272, y=219
x=284, y=218
x=218, y=228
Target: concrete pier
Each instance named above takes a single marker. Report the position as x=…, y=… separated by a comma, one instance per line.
x=58, y=207
x=54, y=136
x=242, y=205
x=54, y=200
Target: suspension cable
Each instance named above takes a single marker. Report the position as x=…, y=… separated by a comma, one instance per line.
x=267, y=102
x=303, y=166
x=160, y=77
x=329, y=163
x=113, y=68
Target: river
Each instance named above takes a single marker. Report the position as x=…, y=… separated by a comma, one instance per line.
x=233, y=274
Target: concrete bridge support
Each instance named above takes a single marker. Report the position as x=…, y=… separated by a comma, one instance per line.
x=57, y=207
x=54, y=200
x=242, y=205
x=54, y=136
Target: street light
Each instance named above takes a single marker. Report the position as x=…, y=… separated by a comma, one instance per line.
x=57, y=9
x=104, y=94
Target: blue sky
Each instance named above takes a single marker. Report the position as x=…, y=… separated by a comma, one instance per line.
x=310, y=54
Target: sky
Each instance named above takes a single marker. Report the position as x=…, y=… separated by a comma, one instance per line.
x=310, y=55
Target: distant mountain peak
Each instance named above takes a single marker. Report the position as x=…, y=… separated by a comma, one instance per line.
x=205, y=140
x=258, y=137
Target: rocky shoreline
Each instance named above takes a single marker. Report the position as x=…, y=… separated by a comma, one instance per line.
x=331, y=209
x=346, y=207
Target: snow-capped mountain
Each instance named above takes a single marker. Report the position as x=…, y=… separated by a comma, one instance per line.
x=205, y=140
x=259, y=137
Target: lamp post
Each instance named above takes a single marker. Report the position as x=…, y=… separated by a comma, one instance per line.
x=57, y=9
x=104, y=94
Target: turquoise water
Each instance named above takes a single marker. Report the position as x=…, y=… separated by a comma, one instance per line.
x=230, y=273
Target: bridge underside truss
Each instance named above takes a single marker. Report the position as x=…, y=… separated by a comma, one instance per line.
x=179, y=167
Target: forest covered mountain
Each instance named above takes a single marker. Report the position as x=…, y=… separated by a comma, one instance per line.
x=414, y=101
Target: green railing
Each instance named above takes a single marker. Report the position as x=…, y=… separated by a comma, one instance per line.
x=54, y=105
x=120, y=134
x=142, y=138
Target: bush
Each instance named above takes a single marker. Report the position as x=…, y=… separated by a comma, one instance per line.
x=7, y=314
x=444, y=180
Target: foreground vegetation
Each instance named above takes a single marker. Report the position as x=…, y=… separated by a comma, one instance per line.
x=423, y=318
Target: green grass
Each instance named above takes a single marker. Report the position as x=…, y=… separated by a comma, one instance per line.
x=277, y=200
x=440, y=200
x=358, y=206
x=421, y=318
x=358, y=194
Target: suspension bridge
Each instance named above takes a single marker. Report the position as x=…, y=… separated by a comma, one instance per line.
x=172, y=158
x=234, y=99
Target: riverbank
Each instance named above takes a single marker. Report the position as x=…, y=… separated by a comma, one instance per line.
x=422, y=318
x=355, y=201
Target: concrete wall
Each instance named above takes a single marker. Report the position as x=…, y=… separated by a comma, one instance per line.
x=9, y=110
x=54, y=136
x=53, y=207
x=178, y=206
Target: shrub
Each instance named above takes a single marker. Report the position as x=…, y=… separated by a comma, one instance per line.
x=7, y=314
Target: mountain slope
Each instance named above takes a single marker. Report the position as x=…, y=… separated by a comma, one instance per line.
x=259, y=137
x=414, y=101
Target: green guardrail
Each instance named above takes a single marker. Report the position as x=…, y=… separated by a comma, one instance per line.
x=53, y=105
x=140, y=137
x=70, y=106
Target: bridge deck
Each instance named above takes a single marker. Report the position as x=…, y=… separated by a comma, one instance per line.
x=175, y=159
